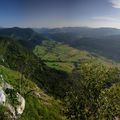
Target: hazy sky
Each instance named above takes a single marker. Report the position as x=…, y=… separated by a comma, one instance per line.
x=59, y=13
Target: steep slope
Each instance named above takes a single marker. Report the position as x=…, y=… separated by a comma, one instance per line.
x=33, y=74
x=39, y=106
x=24, y=35
x=17, y=57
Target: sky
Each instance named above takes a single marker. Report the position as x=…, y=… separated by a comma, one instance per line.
x=60, y=13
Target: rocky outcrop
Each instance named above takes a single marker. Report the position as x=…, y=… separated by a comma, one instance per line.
x=21, y=106
x=2, y=97
x=11, y=99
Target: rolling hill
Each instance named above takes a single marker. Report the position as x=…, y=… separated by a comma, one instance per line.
x=59, y=76
x=64, y=57
x=102, y=41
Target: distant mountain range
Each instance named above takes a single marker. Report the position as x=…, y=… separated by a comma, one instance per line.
x=102, y=41
x=82, y=31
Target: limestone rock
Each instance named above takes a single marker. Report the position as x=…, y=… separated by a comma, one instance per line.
x=2, y=97
x=21, y=107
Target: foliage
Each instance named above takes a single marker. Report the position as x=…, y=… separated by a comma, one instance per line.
x=32, y=72
x=4, y=113
x=39, y=105
x=109, y=103
x=85, y=99
x=12, y=97
x=91, y=92
x=30, y=66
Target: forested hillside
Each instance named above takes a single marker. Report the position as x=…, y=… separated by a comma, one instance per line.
x=34, y=75
x=56, y=80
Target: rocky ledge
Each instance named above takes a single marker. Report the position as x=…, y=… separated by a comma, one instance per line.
x=11, y=100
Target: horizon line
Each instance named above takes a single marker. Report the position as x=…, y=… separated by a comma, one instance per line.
x=58, y=27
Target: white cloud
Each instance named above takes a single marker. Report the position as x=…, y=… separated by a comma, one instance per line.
x=105, y=18
x=97, y=24
x=115, y=3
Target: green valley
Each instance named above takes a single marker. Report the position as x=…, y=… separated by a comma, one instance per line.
x=52, y=80
x=64, y=57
